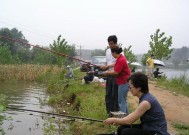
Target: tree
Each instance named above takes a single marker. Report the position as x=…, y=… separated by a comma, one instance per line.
x=159, y=46
x=40, y=56
x=129, y=54
x=61, y=46
x=14, y=34
x=5, y=55
x=20, y=52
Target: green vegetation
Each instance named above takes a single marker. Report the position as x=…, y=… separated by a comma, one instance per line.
x=21, y=53
x=177, y=84
x=159, y=46
x=80, y=100
x=183, y=129
x=131, y=57
x=62, y=46
x=2, y=108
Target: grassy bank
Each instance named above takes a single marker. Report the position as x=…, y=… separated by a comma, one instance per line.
x=71, y=97
x=178, y=84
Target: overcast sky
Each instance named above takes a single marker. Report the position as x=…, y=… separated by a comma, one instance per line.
x=89, y=22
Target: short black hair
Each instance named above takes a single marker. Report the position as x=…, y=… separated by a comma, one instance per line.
x=152, y=55
x=116, y=49
x=112, y=38
x=139, y=79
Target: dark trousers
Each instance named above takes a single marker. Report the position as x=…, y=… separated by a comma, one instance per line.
x=88, y=78
x=135, y=129
x=111, y=97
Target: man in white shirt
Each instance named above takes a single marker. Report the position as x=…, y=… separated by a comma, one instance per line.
x=111, y=97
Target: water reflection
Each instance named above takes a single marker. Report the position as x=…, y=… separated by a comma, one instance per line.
x=25, y=95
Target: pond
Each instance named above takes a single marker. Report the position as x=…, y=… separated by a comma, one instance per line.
x=171, y=73
x=25, y=95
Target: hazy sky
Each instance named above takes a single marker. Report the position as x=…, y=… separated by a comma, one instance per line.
x=89, y=22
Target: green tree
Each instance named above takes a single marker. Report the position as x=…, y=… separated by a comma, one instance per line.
x=159, y=46
x=40, y=56
x=20, y=52
x=13, y=34
x=131, y=57
x=5, y=55
x=61, y=46
x=72, y=53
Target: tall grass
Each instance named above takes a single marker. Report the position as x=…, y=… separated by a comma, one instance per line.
x=176, y=84
x=29, y=72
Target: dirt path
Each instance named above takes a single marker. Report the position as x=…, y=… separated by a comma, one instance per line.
x=176, y=106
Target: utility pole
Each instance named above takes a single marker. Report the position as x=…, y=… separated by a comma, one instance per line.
x=80, y=54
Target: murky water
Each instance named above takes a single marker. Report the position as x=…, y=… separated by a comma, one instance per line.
x=25, y=95
x=171, y=73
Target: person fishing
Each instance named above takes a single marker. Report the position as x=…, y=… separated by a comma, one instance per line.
x=121, y=72
x=111, y=96
x=69, y=73
x=149, y=111
x=157, y=74
x=89, y=77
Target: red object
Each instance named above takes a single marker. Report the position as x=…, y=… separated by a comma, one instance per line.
x=122, y=68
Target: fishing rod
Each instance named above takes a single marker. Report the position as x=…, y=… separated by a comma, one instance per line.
x=57, y=114
x=37, y=46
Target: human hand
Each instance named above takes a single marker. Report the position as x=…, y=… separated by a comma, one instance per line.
x=110, y=121
x=104, y=67
x=105, y=73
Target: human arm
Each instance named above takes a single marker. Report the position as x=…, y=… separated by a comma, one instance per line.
x=129, y=119
x=111, y=72
x=107, y=66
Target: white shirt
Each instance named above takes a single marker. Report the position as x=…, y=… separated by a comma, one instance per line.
x=109, y=58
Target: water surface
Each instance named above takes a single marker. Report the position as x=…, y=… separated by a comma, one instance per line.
x=25, y=95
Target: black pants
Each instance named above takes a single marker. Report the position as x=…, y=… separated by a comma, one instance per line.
x=88, y=78
x=111, y=97
x=135, y=129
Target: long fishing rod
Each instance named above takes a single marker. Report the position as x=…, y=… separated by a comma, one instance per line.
x=57, y=114
x=37, y=46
